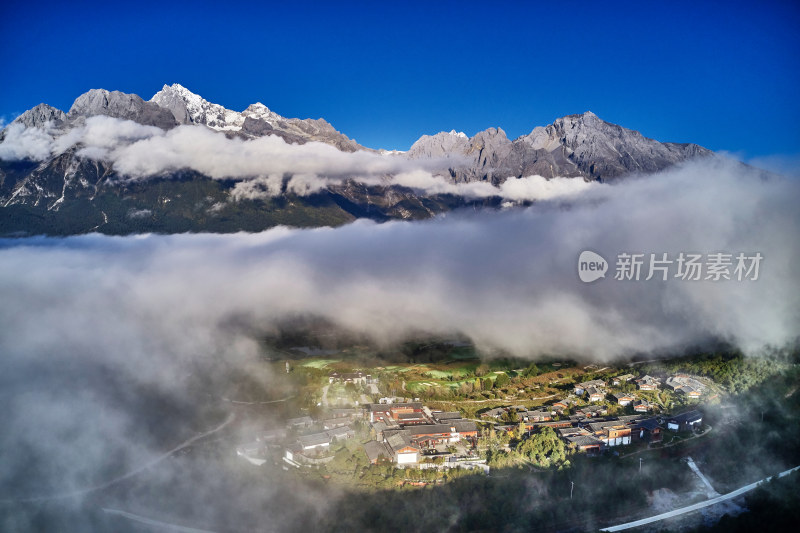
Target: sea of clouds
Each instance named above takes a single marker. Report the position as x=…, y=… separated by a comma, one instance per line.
x=258, y=165
x=88, y=322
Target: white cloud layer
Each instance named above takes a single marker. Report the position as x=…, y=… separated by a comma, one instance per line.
x=140, y=152
x=506, y=280
x=93, y=328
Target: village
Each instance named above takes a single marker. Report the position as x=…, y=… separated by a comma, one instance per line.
x=613, y=411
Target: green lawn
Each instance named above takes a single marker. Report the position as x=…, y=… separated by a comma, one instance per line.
x=439, y=374
x=320, y=363
x=397, y=368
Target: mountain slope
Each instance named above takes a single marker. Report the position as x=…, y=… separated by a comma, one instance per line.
x=255, y=121
x=65, y=185
x=120, y=105
x=573, y=146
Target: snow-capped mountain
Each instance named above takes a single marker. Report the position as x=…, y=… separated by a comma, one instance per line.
x=255, y=121
x=190, y=108
x=53, y=180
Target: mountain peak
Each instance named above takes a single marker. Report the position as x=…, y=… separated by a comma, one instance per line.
x=119, y=105
x=176, y=89
x=190, y=108
x=40, y=115
x=259, y=110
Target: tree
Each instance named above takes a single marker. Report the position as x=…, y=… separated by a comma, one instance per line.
x=544, y=448
x=521, y=429
x=532, y=371
x=502, y=380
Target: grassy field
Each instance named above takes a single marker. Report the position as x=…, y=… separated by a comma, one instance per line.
x=398, y=368
x=319, y=363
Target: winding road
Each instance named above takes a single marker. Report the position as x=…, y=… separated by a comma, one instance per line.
x=127, y=475
x=238, y=402
x=151, y=522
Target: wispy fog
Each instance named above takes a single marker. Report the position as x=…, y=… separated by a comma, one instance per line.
x=99, y=333
x=507, y=280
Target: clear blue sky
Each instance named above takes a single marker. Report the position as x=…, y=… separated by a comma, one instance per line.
x=721, y=74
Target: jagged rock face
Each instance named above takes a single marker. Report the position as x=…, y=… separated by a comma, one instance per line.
x=255, y=121
x=441, y=145
x=120, y=105
x=41, y=115
x=71, y=193
x=573, y=146
x=190, y=108
x=602, y=150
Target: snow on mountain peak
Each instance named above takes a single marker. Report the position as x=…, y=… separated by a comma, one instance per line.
x=260, y=111
x=191, y=108
x=458, y=134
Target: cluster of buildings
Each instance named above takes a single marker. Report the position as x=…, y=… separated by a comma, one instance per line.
x=316, y=436
x=594, y=390
x=685, y=421
x=589, y=428
x=648, y=383
x=685, y=384
x=545, y=413
x=404, y=431
x=619, y=380
x=597, y=435
x=520, y=412
x=640, y=405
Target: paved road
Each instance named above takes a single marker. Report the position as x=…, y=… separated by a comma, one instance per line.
x=697, y=506
x=152, y=462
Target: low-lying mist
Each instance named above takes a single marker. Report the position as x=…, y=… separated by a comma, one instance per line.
x=101, y=336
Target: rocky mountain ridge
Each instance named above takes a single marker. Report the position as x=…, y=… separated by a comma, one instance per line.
x=69, y=191
x=573, y=146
